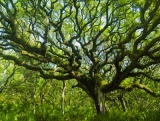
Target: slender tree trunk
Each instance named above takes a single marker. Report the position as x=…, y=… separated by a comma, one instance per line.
x=33, y=95
x=63, y=95
x=124, y=107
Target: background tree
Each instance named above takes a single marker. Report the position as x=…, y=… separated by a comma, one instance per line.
x=98, y=43
x=6, y=74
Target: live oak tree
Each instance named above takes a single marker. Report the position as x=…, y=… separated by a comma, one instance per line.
x=99, y=43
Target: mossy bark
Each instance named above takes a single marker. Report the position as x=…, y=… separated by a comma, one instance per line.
x=100, y=103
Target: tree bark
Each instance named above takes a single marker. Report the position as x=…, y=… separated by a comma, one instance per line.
x=100, y=103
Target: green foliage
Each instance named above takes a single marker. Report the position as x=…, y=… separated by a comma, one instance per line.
x=109, y=44
x=25, y=112
x=37, y=99
x=134, y=115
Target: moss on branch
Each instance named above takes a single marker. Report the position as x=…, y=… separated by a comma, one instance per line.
x=139, y=86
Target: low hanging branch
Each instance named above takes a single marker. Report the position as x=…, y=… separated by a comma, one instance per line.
x=140, y=86
x=145, y=88
x=36, y=68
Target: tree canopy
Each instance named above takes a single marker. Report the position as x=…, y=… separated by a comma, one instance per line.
x=99, y=43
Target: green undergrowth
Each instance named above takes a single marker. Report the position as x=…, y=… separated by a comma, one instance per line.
x=45, y=113
x=114, y=115
x=134, y=115
x=12, y=112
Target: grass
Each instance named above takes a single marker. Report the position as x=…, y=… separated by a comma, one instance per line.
x=134, y=115
x=79, y=114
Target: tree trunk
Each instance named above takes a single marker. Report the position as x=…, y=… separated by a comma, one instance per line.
x=100, y=103
x=124, y=107
x=63, y=95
